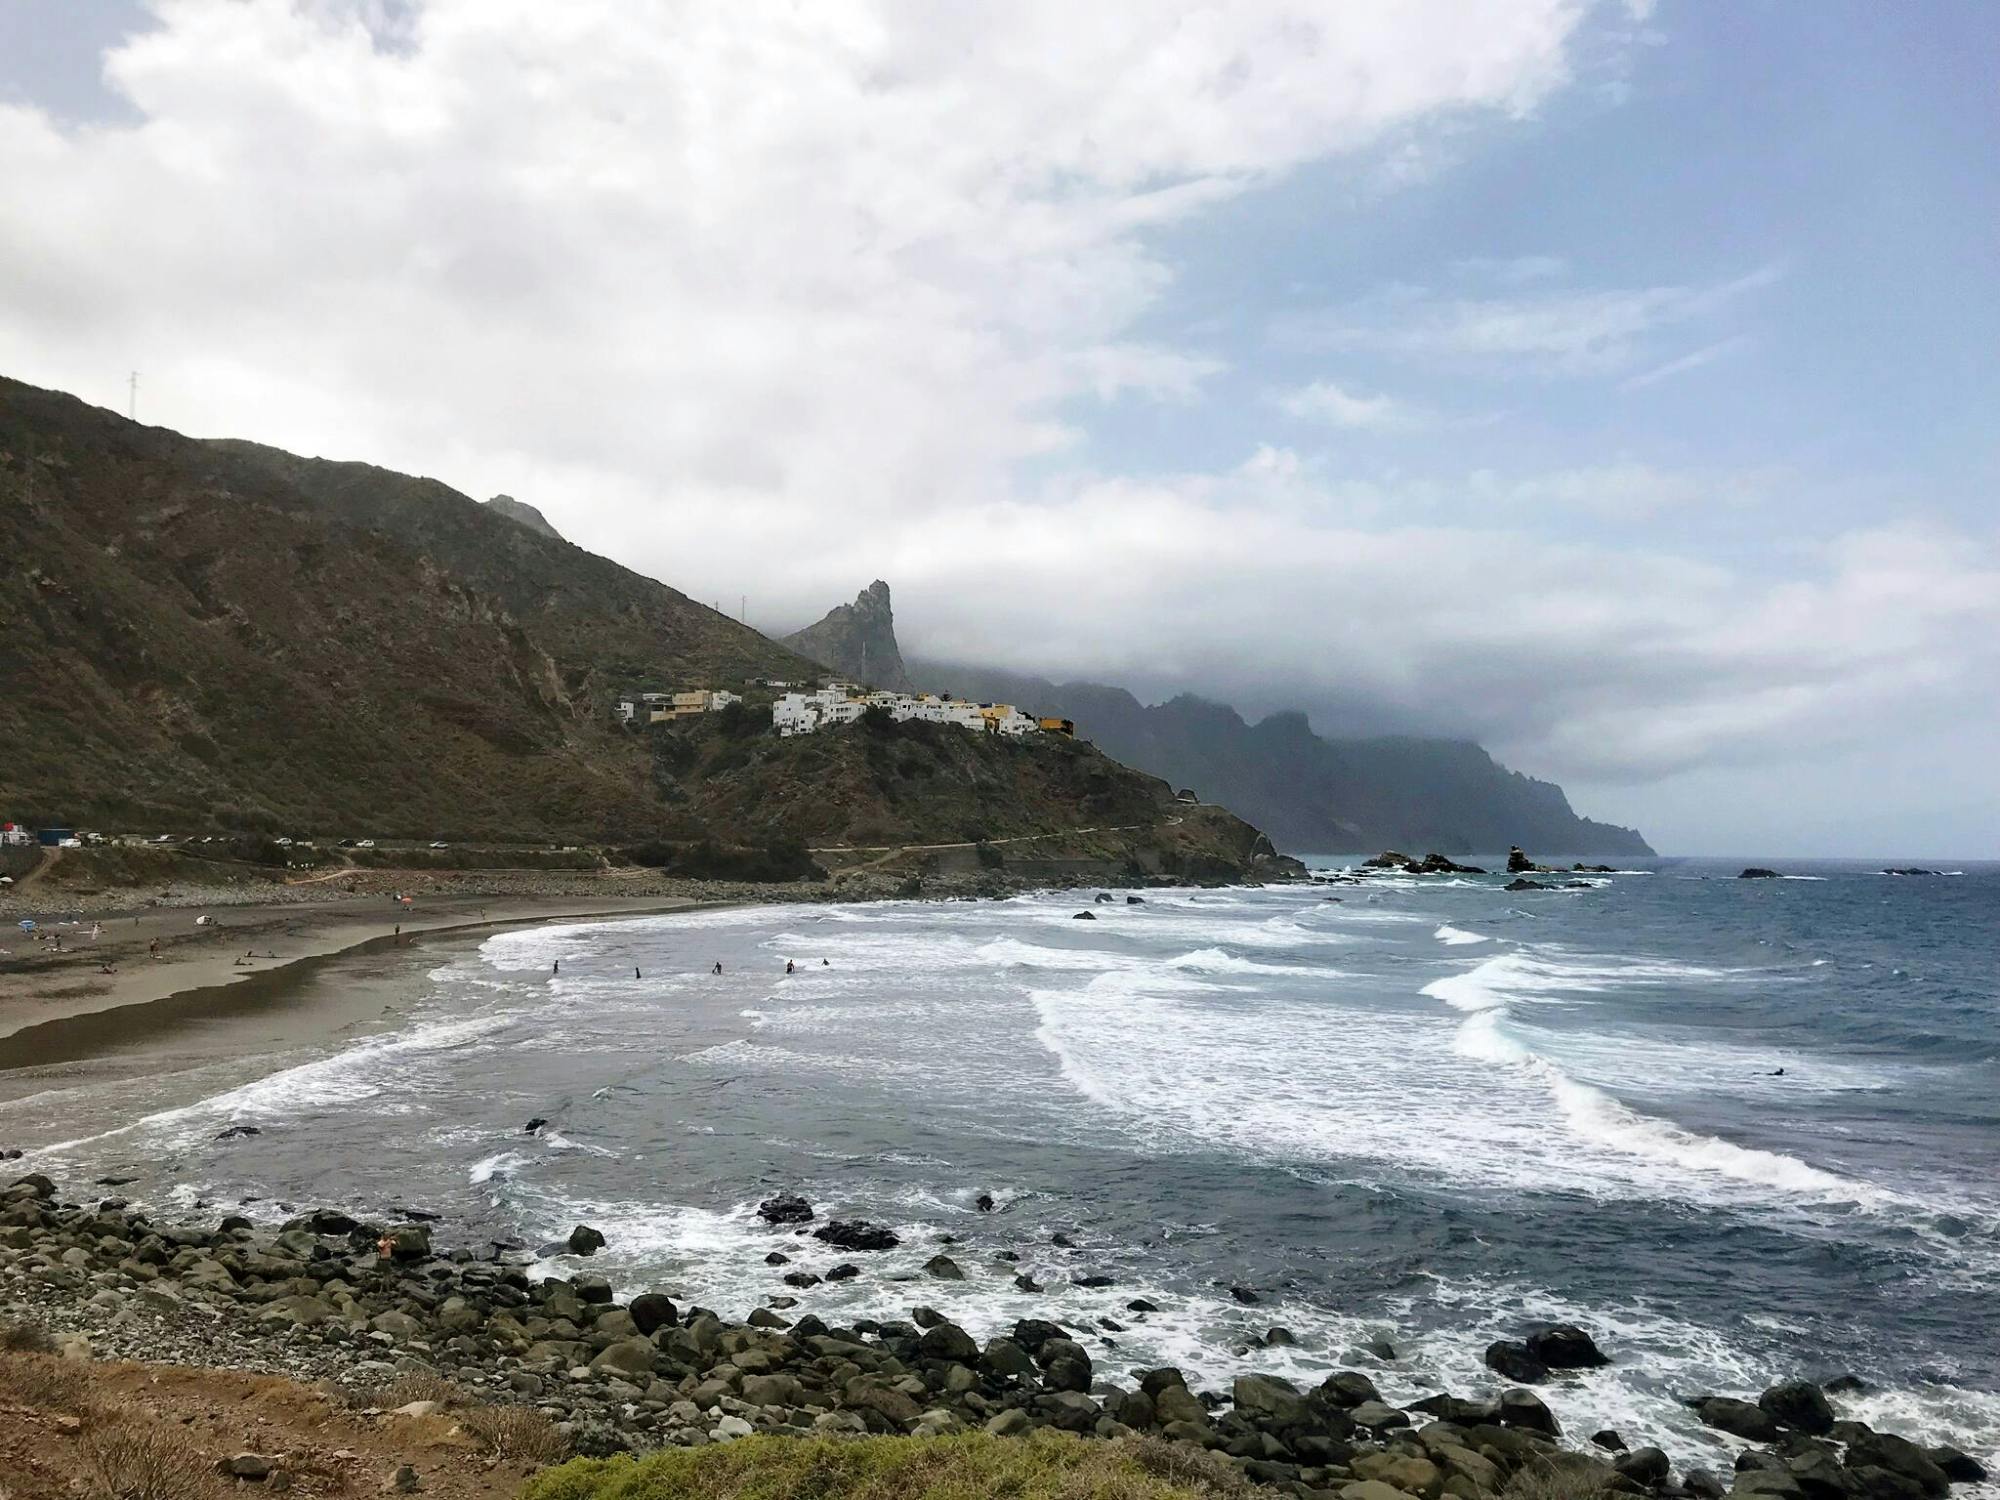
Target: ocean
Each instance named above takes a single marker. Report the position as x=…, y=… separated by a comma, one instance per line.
x=1424, y=1111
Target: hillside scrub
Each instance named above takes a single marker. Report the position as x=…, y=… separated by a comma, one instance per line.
x=1044, y=1466
x=780, y=859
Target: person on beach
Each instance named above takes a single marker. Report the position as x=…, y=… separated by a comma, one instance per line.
x=153, y=948
x=635, y=971
x=789, y=966
x=718, y=966
x=558, y=967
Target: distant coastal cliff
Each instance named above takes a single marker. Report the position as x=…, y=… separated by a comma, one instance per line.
x=1309, y=793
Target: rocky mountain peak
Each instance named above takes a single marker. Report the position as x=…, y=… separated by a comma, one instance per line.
x=858, y=640
x=524, y=513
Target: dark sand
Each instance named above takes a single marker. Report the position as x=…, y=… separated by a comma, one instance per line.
x=340, y=970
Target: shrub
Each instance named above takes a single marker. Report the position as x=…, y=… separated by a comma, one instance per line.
x=43, y=1381
x=22, y=1337
x=988, y=856
x=413, y=1384
x=1563, y=1476
x=653, y=854
x=782, y=859
x=738, y=721
x=1044, y=1466
x=146, y=1460
x=516, y=1433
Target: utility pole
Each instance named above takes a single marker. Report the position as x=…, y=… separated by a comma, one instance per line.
x=743, y=609
x=133, y=411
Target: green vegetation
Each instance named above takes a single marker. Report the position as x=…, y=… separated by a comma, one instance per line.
x=780, y=859
x=1045, y=1466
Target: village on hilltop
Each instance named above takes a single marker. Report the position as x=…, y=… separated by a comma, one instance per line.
x=798, y=708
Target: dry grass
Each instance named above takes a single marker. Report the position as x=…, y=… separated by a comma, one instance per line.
x=1043, y=1466
x=1565, y=1476
x=22, y=1337
x=45, y=1382
x=516, y=1433
x=1187, y=1468
x=146, y=1460
x=411, y=1385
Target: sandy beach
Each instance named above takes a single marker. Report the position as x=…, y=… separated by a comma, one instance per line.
x=252, y=978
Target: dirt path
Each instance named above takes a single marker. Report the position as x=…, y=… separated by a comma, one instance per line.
x=1019, y=838
x=51, y=857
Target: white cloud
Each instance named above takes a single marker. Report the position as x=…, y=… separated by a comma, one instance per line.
x=1271, y=586
x=1626, y=490
x=1561, y=332
x=1708, y=354
x=1323, y=401
x=824, y=259
x=1518, y=270
x=773, y=299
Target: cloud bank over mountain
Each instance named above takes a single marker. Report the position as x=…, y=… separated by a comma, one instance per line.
x=761, y=299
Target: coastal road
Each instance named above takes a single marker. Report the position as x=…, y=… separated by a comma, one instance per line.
x=1019, y=838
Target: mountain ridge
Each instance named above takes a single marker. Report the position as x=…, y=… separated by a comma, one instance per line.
x=1310, y=792
x=222, y=635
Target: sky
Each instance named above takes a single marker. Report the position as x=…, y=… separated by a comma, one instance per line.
x=1614, y=383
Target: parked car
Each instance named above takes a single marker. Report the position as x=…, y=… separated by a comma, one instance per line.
x=366, y=844
x=439, y=844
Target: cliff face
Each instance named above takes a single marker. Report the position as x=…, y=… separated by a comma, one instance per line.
x=858, y=641
x=1309, y=793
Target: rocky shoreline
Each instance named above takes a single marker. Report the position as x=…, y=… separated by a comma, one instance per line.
x=327, y=1298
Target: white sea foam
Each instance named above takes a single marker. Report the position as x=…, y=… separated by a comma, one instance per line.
x=1219, y=961
x=1547, y=975
x=1604, y=1121
x=384, y=1072
x=1458, y=936
x=501, y=1164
